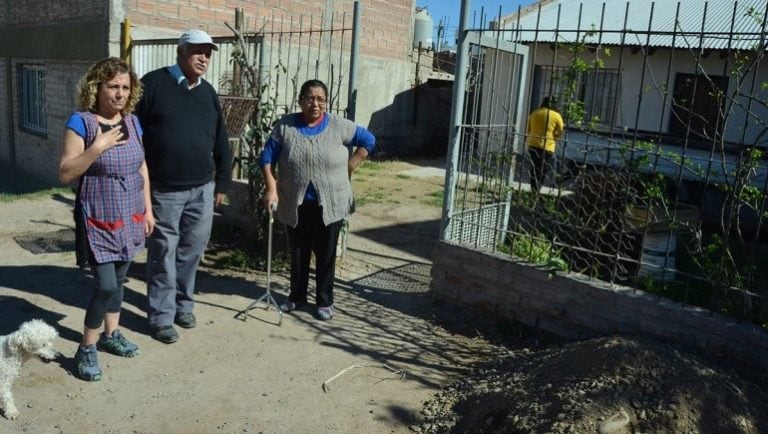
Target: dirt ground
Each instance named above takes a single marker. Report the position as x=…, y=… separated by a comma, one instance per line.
x=229, y=375
x=405, y=363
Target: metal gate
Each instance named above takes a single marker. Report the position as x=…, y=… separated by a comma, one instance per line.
x=485, y=140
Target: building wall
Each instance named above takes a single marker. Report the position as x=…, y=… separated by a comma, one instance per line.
x=579, y=308
x=38, y=154
x=5, y=138
x=67, y=29
x=644, y=80
x=68, y=35
x=386, y=68
x=65, y=36
x=387, y=24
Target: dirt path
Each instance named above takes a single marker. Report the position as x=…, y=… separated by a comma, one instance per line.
x=234, y=376
x=229, y=375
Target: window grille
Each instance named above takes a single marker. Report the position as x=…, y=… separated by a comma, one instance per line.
x=32, y=110
x=598, y=89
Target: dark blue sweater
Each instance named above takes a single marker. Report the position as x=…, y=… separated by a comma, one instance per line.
x=185, y=140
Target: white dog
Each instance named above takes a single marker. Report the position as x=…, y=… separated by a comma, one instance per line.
x=33, y=339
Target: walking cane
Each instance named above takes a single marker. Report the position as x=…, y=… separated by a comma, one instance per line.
x=267, y=296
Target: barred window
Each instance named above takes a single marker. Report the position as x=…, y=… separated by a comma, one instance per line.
x=32, y=110
x=598, y=89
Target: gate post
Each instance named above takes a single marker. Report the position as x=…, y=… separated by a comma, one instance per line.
x=352, y=90
x=459, y=83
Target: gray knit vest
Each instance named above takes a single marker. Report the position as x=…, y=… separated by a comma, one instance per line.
x=321, y=160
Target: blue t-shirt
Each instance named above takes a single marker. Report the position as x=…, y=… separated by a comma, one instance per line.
x=271, y=152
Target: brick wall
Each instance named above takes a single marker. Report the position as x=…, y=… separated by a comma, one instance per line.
x=387, y=25
x=41, y=12
x=574, y=308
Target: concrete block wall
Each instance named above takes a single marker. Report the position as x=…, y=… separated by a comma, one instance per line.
x=576, y=307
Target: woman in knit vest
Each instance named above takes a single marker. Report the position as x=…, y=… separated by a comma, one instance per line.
x=311, y=154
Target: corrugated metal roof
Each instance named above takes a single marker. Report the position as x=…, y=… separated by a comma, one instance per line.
x=672, y=22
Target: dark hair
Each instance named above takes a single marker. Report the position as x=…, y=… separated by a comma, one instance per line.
x=312, y=83
x=549, y=102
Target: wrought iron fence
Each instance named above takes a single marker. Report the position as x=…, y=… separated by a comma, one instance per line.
x=282, y=53
x=659, y=180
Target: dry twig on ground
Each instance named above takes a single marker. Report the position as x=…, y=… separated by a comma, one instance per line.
x=400, y=372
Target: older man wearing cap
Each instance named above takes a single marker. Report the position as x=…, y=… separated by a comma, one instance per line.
x=190, y=166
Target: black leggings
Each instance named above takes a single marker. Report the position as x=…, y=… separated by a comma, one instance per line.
x=108, y=297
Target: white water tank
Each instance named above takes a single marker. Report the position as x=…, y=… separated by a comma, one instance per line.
x=422, y=30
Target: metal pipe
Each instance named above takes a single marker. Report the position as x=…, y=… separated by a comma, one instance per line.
x=459, y=83
x=125, y=41
x=352, y=90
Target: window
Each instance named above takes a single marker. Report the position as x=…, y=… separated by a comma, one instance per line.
x=698, y=107
x=32, y=111
x=598, y=89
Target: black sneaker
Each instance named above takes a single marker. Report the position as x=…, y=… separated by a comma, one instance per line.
x=186, y=320
x=165, y=334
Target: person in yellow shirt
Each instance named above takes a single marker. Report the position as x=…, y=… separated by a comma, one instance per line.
x=545, y=127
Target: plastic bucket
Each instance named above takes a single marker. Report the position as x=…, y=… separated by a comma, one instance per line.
x=657, y=259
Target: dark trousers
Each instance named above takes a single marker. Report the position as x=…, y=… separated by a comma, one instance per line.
x=542, y=168
x=311, y=235
x=108, y=297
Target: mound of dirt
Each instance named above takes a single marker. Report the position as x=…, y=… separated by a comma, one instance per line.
x=604, y=385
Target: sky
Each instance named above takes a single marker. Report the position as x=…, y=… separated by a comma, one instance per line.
x=448, y=12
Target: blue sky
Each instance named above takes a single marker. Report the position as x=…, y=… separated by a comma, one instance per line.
x=448, y=11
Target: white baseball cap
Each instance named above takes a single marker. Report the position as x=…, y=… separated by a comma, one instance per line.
x=197, y=36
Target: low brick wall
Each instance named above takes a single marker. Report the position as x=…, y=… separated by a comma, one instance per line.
x=574, y=307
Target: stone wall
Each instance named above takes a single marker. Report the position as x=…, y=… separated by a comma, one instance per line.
x=576, y=307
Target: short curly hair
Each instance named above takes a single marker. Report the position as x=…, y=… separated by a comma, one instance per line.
x=102, y=71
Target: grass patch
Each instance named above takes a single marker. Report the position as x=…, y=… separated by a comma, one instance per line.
x=434, y=199
x=40, y=194
x=370, y=166
x=534, y=249
x=370, y=197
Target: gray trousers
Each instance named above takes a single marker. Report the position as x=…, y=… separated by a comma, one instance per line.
x=175, y=248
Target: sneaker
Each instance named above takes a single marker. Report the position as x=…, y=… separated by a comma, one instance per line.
x=288, y=306
x=117, y=344
x=87, y=363
x=325, y=313
x=165, y=334
x=186, y=320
